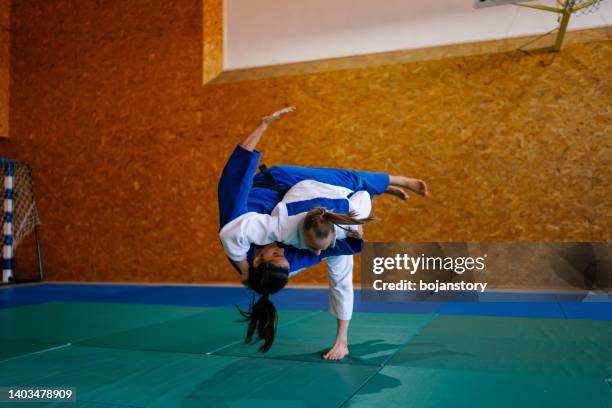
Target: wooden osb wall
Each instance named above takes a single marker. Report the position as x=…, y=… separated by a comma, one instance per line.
x=127, y=145
x=212, y=39
x=5, y=60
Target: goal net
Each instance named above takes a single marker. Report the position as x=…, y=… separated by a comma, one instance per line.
x=20, y=216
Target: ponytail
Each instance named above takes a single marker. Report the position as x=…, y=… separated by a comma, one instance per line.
x=262, y=316
x=263, y=319
x=321, y=222
x=345, y=219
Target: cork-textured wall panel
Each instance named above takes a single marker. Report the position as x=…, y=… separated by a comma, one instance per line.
x=127, y=145
x=212, y=34
x=5, y=61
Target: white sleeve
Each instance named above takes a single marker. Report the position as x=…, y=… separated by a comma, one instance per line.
x=250, y=228
x=361, y=203
x=340, y=272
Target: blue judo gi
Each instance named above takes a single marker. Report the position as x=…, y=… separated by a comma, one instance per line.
x=237, y=196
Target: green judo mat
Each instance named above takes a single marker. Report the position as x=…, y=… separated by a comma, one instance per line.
x=120, y=355
x=38, y=327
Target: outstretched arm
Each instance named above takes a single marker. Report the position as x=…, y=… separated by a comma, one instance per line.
x=340, y=272
x=251, y=141
x=237, y=177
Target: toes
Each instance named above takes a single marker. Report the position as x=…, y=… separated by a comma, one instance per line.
x=335, y=354
x=400, y=193
x=423, y=188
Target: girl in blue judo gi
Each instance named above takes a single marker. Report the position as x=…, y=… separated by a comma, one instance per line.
x=277, y=222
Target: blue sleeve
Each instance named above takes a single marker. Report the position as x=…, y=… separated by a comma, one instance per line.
x=236, y=183
x=347, y=246
x=373, y=183
x=302, y=258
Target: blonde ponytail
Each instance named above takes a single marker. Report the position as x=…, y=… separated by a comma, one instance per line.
x=321, y=221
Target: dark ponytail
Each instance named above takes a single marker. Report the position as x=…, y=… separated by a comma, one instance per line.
x=262, y=317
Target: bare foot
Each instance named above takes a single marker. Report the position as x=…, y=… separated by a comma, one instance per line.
x=415, y=185
x=397, y=192
x=337, y=352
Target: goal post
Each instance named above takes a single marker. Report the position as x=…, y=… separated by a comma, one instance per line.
x=20, y=215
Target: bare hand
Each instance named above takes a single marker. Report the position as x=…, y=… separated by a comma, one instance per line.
x=268, y=120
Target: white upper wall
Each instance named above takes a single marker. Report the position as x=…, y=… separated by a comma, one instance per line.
x=268, y=32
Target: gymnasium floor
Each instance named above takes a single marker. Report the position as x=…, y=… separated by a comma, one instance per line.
x=181, y=346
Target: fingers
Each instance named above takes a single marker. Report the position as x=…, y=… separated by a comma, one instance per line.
x=282, y=112
x=278, y=114
x=285, y=111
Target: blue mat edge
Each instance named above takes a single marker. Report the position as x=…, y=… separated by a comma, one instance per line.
x=563, y=306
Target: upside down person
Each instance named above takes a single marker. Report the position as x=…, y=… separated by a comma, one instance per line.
x=278, y=222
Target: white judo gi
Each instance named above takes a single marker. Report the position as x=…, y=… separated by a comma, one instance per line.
x=284, y=225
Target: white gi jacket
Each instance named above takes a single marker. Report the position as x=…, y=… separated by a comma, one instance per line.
x=284, y=225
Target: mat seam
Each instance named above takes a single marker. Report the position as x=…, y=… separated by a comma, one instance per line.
x=208, y=353
x=143, y=326
x=61, y=346
x=346, y=400
x=412, y=337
